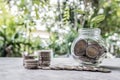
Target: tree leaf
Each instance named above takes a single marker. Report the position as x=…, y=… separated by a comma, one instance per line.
x=97, y=19
x=118, y=12
x=79, y=11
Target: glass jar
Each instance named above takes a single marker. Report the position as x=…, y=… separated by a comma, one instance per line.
x=89, y=47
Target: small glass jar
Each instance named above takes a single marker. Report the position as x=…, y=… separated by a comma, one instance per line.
x=89, y=47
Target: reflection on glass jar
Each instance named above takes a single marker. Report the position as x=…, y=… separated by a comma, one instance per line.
x=89, y=46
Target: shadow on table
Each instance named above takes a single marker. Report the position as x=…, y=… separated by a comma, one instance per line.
x=111, y=67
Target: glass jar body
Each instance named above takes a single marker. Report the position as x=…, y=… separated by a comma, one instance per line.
x=88, y=47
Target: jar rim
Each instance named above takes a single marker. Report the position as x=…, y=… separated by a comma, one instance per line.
x=96, y=31
x=90, y=29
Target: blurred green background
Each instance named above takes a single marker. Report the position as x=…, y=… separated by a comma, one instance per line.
x=30, y=25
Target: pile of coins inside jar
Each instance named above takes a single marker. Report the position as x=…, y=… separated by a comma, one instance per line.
x=88, y=50
x=44, y=59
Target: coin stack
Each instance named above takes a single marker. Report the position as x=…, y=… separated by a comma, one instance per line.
x=44, y=58
x=29, y=62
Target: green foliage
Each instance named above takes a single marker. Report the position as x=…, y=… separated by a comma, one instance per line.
x=66, y=15
x=69, y=39
x=112, y=19
x=79, y=11
x=61, y=44
x=97, y=19
x=13, y=27
x=102, y=14
x=8, y=32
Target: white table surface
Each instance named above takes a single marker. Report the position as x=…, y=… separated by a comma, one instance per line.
x=12, y=69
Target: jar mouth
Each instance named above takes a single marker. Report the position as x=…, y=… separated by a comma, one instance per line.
x=90, y=29
x=95, y=31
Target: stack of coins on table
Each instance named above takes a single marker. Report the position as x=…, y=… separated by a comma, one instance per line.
x=44, y=58
x=29, y=62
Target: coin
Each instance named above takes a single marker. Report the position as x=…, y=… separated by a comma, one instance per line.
x=92, y=51
x=80, y=47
